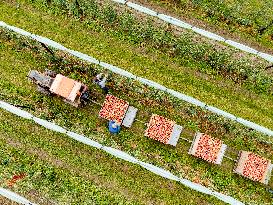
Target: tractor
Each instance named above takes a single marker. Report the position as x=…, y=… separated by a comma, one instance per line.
x=51, y=83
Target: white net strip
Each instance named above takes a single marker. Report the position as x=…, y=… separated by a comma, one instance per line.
x=142, y=9
x=15, y=110
x=14, y=197
x=84, y=140
x=120, y=1
x=208, y=34
x=159, y=171
x=122, y=155
x=49, y=125
x=200, y=31
x=122, y=72
x=241, y=47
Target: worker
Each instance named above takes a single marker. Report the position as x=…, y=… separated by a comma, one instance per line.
x=114, y=127
x=98, y=78
x=101, y=81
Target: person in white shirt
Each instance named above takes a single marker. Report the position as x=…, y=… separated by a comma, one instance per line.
x=100, y=80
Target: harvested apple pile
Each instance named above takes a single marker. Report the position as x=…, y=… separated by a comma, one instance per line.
x=253, y=166
x=206, y=147
x=16, y=178
x=113, y=108
x=160, y=128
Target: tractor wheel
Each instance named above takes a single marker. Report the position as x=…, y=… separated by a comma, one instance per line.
x=43, y=90
x=50, y=73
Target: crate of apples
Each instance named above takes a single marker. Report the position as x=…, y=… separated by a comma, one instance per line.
x=207, y=148
x=160, y=128
x=113, y=108
x=253, y=166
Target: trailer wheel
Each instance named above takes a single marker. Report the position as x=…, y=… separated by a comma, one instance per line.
x=43, y=90
x=85, y=97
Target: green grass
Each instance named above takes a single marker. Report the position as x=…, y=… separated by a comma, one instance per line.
x=149, y=63
x=249, y=20
x=186, y=48
x=64, y=170
x=68, y=172
x=18, y=56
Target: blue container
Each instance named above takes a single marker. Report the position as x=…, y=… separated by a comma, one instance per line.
x=113, y=127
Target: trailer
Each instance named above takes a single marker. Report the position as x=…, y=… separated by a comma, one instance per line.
x=254, y=167
x=118, y=110
x=163, y=130
x=208, y=148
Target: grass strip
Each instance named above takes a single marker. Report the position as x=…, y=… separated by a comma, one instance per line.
x=249, y=20
x=208, y=57
x=17, y=90
x=156, y=66
x=68, y=172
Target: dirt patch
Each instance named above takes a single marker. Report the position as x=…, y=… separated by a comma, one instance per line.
x=5, y=201
x=40, y=199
